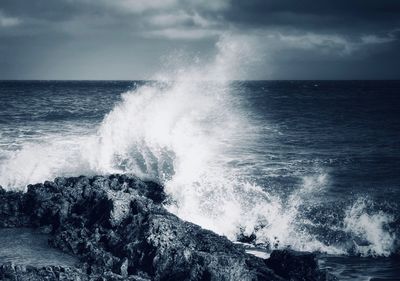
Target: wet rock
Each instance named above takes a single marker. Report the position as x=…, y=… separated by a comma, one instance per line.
x=11, y=272
x=128, y=233
x=119, y=229
x=12, y=209
x=296, y=266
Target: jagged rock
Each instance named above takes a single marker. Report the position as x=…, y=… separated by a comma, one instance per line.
x=296, y=266
x=120, y=231
x=11, y=272
x=11, y=209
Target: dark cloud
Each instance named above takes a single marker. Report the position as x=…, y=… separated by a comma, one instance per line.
x=326, y=12
x=125, y=39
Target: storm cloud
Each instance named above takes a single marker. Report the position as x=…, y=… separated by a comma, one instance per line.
x=126, y=39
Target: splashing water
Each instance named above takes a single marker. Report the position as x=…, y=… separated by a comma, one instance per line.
x=184, y=130
x=370, y=227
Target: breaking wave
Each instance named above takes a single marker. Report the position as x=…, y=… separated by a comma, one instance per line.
x=185, y=130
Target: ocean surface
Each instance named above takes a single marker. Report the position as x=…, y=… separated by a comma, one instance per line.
x=311, y=165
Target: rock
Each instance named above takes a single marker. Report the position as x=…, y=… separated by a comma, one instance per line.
x=120, y=230
x=11, y=272
x=296, y=266
x=12, y=209
x=124, y=268
x=128, y=233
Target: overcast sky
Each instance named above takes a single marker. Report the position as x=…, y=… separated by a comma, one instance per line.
x=128, y=39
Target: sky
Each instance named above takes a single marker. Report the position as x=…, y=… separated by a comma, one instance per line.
x=131, y=39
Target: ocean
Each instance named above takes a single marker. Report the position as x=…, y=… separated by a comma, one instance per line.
x=310, y=165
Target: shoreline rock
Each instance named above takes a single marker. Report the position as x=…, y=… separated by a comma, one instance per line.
x=119, y=229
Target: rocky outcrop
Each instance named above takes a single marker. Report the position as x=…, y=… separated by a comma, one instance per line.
x=11, y=272
x=120, y=231
x=293, y=265
x=12, y=212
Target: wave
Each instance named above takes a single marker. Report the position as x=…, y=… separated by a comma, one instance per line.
x=184, y=130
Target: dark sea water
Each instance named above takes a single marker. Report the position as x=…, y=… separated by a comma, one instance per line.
x=311, y=165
